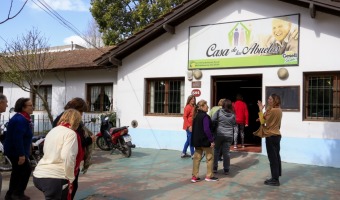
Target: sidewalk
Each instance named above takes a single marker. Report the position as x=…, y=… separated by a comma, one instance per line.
x=162, y=174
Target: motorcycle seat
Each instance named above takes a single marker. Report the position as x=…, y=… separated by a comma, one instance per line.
x=115, y=130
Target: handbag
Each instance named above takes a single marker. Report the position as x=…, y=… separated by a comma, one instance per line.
x=214, y=124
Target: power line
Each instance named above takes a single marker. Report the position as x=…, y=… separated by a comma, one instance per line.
x=54, y=14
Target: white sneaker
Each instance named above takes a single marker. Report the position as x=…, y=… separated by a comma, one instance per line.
x=211, y=179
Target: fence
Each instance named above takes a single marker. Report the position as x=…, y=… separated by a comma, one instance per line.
x=42, y=124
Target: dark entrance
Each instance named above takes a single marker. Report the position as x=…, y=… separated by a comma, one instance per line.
x=250, y=87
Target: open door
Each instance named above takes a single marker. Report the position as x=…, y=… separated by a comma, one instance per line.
x=250, y=87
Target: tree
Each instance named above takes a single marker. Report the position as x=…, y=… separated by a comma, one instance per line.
x=118, y=20
x=93, y=35
x=25, y=61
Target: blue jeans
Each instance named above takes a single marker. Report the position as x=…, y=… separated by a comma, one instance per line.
x=188, y=143
x=223, y=143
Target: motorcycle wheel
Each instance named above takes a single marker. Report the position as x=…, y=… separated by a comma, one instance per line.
x=126, y=150
x=101, y=143
x=5, y=163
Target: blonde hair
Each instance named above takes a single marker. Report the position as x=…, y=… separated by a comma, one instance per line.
x=199, y=106
x=220, y=102
x=72, y=117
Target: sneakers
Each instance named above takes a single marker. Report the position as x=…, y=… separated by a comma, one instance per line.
x=242, y=146
x=184, y=155
x=235, y=147
x=211, y=179
x=194, y=179
x=272, y=182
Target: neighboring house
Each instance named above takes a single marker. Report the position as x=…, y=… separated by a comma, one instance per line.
x=73, y=74
x=156, y=64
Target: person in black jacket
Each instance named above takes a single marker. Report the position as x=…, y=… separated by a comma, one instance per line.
x=203, y=141
x=80, y=105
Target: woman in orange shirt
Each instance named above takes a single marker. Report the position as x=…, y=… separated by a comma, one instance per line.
x=187, y=125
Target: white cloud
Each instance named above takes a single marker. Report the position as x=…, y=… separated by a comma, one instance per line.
x=76, y=40
x=63, y=5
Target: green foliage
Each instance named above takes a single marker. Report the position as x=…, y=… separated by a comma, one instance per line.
x=118, y=20
x=112, y=117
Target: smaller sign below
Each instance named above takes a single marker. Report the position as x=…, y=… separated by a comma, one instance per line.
x=196, y=92
x=196, y=84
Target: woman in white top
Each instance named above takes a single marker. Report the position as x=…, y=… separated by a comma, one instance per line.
x=55, y=171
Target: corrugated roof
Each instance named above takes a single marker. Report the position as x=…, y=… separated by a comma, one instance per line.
x=77, y=59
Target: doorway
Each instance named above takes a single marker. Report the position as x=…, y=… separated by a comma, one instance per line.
x=250, y=87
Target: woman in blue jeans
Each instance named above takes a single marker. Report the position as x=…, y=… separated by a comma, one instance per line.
x=187, y=125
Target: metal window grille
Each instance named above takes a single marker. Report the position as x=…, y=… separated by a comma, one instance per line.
x=165, y=97
x=322, y=96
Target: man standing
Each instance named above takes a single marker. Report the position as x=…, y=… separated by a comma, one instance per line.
x=3, y=106
x=241, y=113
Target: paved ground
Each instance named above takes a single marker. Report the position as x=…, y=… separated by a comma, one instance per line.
x=162, y=174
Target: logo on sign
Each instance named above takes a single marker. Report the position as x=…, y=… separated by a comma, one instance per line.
x=196, y=92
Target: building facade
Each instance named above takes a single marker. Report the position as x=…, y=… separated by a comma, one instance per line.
x=156, y=75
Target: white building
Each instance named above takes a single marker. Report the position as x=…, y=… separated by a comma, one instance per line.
x=153, y=66
x=148, y=77
x=73, y=74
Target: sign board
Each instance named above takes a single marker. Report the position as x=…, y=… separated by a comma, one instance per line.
x=248, y=43
x=196, y=84
x=196, y=92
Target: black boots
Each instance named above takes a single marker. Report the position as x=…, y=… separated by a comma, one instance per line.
x=272, y=182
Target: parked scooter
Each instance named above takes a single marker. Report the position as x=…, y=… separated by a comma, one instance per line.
x=37, y=149
x=5, y=163
x=110, y=138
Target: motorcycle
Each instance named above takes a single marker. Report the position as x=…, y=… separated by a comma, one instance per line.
x=37, y=149
x=5, y=163
x=111, y=138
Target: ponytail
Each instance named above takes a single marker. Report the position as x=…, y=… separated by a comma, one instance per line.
x=195, y=111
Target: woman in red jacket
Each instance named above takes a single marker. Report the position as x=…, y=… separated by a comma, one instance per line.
x=187, y=125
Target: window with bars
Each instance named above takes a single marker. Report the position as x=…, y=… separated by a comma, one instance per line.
x=99, y=96
x=165, y=96
x=322, y=96
x=46, y=92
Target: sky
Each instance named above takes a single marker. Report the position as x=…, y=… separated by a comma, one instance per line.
x=76, y=12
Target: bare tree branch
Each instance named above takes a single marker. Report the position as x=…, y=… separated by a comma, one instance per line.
x=24, y=63
x=10, y=10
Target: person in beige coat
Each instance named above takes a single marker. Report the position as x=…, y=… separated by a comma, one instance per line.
x=55, y=172
x=270, y=129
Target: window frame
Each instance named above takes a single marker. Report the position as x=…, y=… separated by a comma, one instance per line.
x=102, y=91
x=166, y=108
x=34, y=95
x=335, y=97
